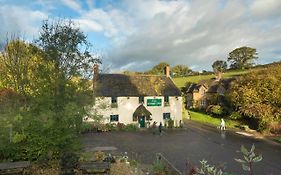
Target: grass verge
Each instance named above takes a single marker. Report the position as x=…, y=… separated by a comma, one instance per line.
x=278, y=139
x=204, y=118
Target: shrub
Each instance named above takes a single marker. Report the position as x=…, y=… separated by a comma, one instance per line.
x=68, y=162
x=215, y=110
x=235, y=116
x=120, y=126
x=158, y=167
x=111, y=126
x=131, y=127
x=275, y=127
x=170, y=123
x=99, y=156
x=86, y=127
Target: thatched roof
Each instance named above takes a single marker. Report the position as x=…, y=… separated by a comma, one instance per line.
x=118, y=85
x=141, y=111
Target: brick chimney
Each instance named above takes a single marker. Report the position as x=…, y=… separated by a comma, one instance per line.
x=167, y=71
x=96, y=69
x=218, y=75
x=96, y=73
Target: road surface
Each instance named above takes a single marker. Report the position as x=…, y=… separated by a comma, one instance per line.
x=194, y=143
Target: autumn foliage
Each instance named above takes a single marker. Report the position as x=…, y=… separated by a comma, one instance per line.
x=257, y=95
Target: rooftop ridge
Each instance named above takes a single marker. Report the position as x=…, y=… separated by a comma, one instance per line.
x=147, y=75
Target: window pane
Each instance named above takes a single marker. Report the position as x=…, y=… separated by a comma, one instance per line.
x=166, y=116
x=113, y=99
x=114, y=118
x=166, y=99
x=141, y=99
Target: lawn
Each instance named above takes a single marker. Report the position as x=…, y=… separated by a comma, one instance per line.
x=278, y=139
x=204, y=118
x=180, y=82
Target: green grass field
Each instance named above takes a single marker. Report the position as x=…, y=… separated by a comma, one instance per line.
x=204, y=118
x=278, y=139
x=180, y=82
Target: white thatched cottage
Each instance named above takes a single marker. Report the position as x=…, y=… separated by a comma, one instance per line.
x=140, y=99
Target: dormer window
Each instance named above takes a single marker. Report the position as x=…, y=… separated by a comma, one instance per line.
x=166, y=100
x=114, y=102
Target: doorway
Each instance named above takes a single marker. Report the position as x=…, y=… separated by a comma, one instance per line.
x=142, y=121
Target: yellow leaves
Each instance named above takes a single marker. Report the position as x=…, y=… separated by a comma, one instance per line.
x=258, y=94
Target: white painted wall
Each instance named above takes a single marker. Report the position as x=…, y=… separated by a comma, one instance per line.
x=127, y=106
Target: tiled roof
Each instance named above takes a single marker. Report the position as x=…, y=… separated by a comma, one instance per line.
x=211, y=84
x=117, y=85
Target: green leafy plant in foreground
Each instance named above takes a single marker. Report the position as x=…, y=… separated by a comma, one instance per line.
x=249, y=158
x=158, y=167
x=208, y=169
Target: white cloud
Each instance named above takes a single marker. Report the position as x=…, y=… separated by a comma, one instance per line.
x=189, y=39
x=266, y=8
x=73, y=4
x=113, y=23
x=194, y=33
x=20, y=20
x=146, y=32
x=89, y=25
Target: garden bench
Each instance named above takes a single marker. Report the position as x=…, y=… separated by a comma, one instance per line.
x=15, y=168
x=95, y=167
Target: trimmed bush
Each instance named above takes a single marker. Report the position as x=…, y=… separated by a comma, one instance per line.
x=131, y=127
x=170, y=123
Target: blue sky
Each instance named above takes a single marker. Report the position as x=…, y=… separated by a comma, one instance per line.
x=138, y=34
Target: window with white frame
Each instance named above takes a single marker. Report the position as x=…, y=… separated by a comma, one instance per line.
x=114, y=118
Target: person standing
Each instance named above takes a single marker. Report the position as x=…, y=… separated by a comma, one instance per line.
x=160, y=128
x=222, y=124
x=154, y=128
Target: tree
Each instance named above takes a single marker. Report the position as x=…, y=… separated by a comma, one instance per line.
x=66, y=46
x=257, y=95
x=242, y=57
x=158, y=69
x=52, y=76
x=181, y=71
x=16, y=60
x=219, y=66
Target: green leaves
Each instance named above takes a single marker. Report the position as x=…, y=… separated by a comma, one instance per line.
x=49, y=77
x=242, y=57
x=244, y=150
x=67, y=47
x=240, y=160
x=249, y=158
x=257, y=159
x=158, y=69
x=245, y=167
x=181, y=71
x=17, y=138
x=219, y=66
x=208, y=169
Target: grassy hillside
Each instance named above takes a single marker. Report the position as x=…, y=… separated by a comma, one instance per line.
x=180, y=82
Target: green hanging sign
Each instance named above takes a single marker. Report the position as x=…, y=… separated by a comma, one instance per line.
x=154, y=102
